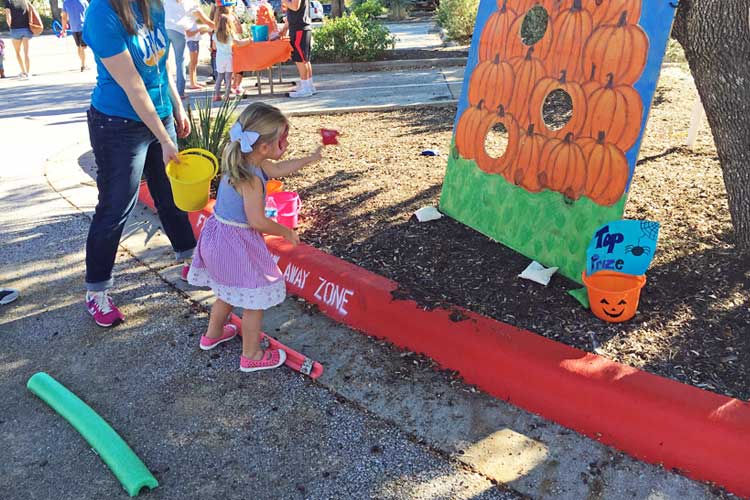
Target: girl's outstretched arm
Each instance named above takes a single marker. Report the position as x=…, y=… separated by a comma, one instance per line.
x=255, y=211
x=286, y=167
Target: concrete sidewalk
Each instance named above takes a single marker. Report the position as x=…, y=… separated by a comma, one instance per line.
x=368, y=90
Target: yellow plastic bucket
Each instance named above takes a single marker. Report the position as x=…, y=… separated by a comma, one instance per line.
x=191, y=178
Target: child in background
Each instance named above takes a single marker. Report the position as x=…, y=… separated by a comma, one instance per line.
x=224, y=38
x=193, y=37
x=2, y=57
x=232, y=257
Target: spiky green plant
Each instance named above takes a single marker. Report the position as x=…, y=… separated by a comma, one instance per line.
x=210, y=127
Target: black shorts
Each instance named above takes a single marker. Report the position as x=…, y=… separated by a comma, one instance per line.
x=301, y=41
x=78, y=37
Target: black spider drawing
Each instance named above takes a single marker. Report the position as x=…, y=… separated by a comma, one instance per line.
x=637, y=250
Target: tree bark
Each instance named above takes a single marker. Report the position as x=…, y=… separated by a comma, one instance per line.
x=716, y=38
x=337, y=8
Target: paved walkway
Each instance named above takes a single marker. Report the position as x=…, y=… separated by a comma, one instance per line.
x=378, y=423
x=419, y=35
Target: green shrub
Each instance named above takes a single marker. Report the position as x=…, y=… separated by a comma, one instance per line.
x=350, y=38
x=369, y=9
x=458, y=18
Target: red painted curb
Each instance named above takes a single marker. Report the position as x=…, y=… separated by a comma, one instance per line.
x=700, y=434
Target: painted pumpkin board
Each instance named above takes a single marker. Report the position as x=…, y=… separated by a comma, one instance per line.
x=551, y=116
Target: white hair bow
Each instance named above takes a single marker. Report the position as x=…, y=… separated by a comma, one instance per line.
x=246, y=138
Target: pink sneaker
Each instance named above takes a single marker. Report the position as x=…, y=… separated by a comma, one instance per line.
x=185, y=271
x=272, y=358
x=230, y=332
x=103, y=310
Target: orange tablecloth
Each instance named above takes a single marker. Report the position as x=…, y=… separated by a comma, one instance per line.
x=256, y=56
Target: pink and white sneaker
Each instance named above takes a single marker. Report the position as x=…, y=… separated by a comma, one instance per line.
x=272, y=358
x=230, y=332
x=185, y=271
x=103, y=310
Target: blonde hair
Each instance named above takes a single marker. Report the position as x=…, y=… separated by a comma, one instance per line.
x=226, y=29
x=269, y=122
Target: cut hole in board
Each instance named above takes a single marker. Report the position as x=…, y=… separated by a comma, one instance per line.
x=557, y=109
x=496, y=142
x=534, y=25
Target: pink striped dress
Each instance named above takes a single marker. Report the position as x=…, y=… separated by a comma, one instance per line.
x=232, y=258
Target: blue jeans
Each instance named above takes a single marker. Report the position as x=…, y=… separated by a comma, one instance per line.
x=125, y=150
x=177, y=40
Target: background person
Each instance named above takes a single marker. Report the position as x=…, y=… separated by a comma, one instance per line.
x=17, y=17
x=224, y=38
x=73, y=14
x=179, y=18
x=2, y=58
x=300, y=36
x=134, y=109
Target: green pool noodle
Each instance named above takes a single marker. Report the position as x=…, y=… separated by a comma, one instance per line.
x=115, y=452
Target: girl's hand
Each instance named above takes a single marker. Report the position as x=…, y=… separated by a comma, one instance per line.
x=181, y=122
x=169, y=152
x=292, y=237
x=317, y=155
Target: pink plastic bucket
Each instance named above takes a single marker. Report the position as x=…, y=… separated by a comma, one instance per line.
x=288, y=205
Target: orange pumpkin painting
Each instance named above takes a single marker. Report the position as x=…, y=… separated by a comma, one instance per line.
x=617, y=110
x=468, y=130
x=602, y=11
x=526, y=172
x=563, y=167
x=609, y=11
x=516, y=47
x=572, y=28
x=528, y=71
x=620, y=49
x=495, y=34
x=492, y=82
x=593, y=51
x=502, y=163
x=578, y=101
x=606, y=170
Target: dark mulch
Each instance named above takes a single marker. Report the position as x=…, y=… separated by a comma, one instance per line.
x=693, y=321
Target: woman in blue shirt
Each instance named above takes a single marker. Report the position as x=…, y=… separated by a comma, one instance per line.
x=134, y=112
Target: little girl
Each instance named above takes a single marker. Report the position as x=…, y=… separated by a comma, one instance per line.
x=224, y=38
x=231, y=256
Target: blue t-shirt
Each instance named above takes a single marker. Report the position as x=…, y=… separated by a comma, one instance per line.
x=75, y=9
x=149, y=49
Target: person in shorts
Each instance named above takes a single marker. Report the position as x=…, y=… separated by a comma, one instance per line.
x=17, y=17
x=73, y=14
x=300, y=36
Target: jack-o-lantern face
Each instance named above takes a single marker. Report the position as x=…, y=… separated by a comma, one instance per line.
x=613, y=311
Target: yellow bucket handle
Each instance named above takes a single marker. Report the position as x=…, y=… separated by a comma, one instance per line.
x=204, y=153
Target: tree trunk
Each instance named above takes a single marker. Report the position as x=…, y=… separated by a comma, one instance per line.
x=54, y=7
x=337, y=8
x=716, y=40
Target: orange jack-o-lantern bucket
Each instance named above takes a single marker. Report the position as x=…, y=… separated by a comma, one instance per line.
x=613, y=296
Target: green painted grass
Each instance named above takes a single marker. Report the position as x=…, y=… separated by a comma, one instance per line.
x=546, y=226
